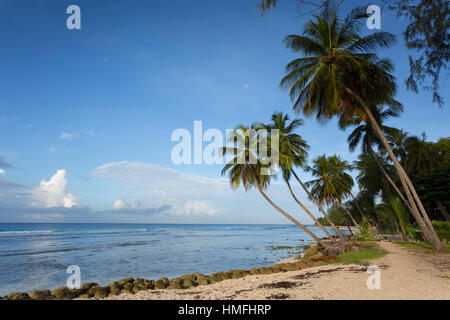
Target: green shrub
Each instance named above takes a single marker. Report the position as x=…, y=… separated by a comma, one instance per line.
x=414, y=233
x=441, y=225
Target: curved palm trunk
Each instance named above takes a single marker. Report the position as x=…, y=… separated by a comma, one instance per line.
x=424, y=222
x=286, y=214
x=336, y=230
x=339, y=203
x=310, y=214
x=357, y=205
x=443, y=210
x=400, y=194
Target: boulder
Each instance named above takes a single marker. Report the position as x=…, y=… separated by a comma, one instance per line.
x=254, y=271
x=216, y=277
x=199, y=276
x=114, y=288
x=127, y=287
x=64, y=293
x=187, y=283
x=86, y=286
x=176, y=283
x=188, y=277
x=202, y=281
x=159, y=284
x=235, y=274
x=41, y=295
x=99, y=292
x=18, y=296
x=126, y=280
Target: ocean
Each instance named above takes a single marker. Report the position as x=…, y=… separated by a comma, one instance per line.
x=36, y=256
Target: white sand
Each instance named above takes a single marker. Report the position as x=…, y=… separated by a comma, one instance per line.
x=405, y=274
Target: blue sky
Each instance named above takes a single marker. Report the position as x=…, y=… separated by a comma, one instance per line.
x=91, y=111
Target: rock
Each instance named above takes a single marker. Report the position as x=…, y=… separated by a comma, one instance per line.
x=165, y=280
x=216, y=277
x=311, y=251
x=127, y=287
x=289, y=267
x=254, y=271
x=235, y=274
x=202, y=281
x=187, y=283
x=64, y=293
x=126, y=280
x=99, y=292
x=175, y=283
x=86, y=286
x=300, y=265
x=114, y=288
x=18, y=296
x=199, y=276
x=316, y=256
x=41, y=295
x=276, y=268
x=136, y=289
x=159, y=284
x=265, y=270
x=188, y=277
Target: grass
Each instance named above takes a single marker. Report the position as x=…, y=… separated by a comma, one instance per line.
x=420, y=245
x=369, y=251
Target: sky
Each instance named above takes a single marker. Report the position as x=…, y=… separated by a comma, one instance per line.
x=86, y=116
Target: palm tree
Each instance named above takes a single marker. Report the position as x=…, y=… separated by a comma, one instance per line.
x=339, y=73
x=420, y=155
x=395, y=208
x=396, y=138
x=365, y=135
x=292, y=153
x=246, y=165
x=332, y=183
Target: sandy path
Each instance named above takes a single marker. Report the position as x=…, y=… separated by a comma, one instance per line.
x=404, y=275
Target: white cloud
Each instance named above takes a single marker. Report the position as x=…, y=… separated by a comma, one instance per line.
x=52, y=193
x=119, y=204
x=73, y=135
x=2, y=171
x=68, y=136
x=196, y=207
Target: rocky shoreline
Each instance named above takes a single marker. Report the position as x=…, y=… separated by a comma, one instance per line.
x=313, y=257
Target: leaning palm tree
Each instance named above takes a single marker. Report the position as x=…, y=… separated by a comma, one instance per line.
x=245, y=167
x=364, y=134
x=292, y=153
x=331, y=185
x=339, y=75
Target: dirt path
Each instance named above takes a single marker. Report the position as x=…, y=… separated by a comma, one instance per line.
x=405, y=274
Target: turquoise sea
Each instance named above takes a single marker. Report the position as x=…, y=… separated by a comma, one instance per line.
x=36, y=256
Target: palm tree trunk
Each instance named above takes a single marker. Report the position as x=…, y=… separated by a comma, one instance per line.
x=255, y=179
x=309, y=213
x=357, y=205
x=339, y=203
x=428, y=230
x=443, y=210
x=336, y=230
x=400, y=194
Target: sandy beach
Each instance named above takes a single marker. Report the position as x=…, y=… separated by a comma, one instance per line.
x=405, y=274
